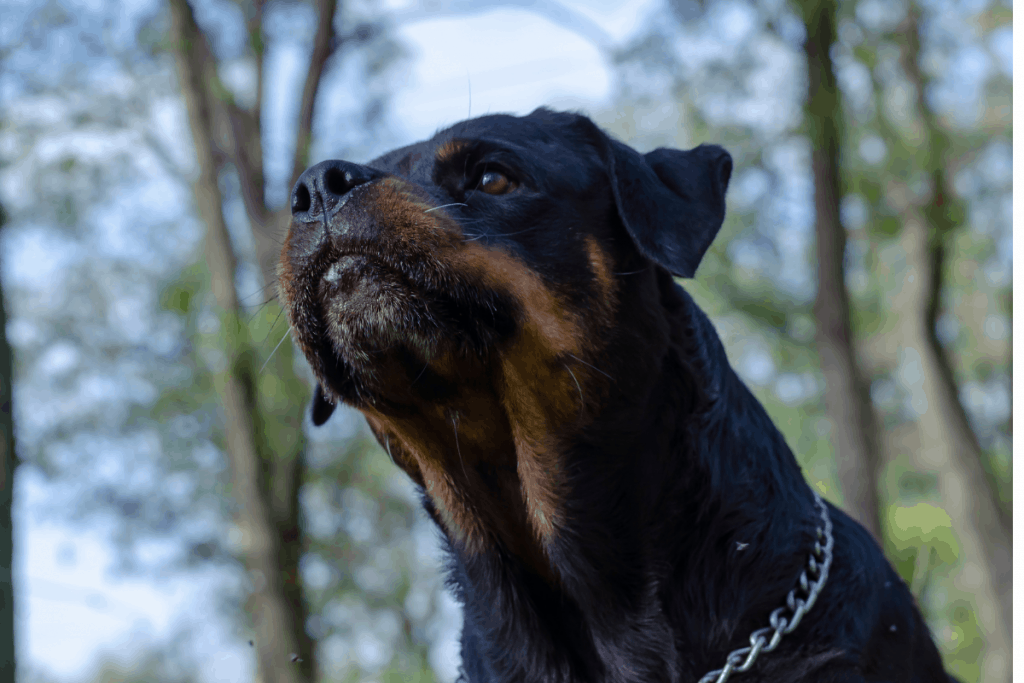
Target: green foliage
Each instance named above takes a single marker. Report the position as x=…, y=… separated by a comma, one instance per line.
x=966, y=641
x=376, y=569
x=923, y=525
x=885, y=227
x=923, y=548
x=764, y=312
x=180, y=295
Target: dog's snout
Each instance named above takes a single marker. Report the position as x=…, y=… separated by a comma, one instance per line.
x=323, y=187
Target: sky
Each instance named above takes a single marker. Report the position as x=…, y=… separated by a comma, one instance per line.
x=71, y=607
x=507, y=60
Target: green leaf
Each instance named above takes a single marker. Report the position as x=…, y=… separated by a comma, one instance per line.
x=923, y=524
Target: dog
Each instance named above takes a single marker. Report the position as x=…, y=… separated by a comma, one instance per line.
x=498, y=301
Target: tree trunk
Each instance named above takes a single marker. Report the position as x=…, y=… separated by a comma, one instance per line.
x=265, y=490
x=949, y=445
x=8, y=461
x=847, y=396
x=951, y=452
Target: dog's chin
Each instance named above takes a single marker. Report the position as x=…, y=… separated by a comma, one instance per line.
x=356, y=283
x=396, y=381
x=381, y=335
x=378, y=370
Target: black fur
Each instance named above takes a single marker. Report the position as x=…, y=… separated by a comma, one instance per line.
x=685, y=517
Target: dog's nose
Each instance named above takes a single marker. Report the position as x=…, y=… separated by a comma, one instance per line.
x=322, y=187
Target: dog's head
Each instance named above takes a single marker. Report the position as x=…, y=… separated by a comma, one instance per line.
x=408, y=273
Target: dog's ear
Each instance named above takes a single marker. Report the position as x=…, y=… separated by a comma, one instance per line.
x=671, y=202
x=322, y=407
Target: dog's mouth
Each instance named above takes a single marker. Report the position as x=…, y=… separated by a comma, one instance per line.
x=381, y=328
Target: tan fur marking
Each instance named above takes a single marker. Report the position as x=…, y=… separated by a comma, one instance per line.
x=426, y=459
x=489, y=458
x=539, y=393
x=424, y=446
x=449, y=150
x=545, y=314
x=602, y=269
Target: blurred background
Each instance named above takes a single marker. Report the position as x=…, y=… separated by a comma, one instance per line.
x=861, y=284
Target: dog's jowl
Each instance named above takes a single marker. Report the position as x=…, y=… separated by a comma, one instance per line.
x=499, y=302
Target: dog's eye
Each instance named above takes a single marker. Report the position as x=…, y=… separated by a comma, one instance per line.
x=493, y=182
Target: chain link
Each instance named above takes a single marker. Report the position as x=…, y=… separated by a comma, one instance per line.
x=742, y=659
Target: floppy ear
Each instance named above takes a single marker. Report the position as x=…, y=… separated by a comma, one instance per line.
x=671, y=202
x=322, y=408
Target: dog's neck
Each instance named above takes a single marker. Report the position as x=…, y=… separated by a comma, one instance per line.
x=688, y=456
x=678, y=476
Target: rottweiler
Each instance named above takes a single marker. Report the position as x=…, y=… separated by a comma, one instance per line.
x=499, y=302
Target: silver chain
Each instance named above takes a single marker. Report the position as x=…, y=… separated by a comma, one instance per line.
x=819, y=562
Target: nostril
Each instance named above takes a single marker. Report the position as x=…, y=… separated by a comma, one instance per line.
x=325, y=184
x=300, y=199
x=338, y=182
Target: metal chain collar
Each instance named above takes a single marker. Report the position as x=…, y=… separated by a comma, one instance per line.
x=742, y=659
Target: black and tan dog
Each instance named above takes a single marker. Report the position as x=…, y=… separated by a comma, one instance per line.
x=499, y=303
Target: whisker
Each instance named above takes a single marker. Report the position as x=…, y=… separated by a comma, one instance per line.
x=263, y=345
x=519, y=232
x=443, y=206
x=286, y=333
x=578, y=388
x=507, y=234
x=455, y=426
x=259, y=309
x=382, y=350
x=421, y=373
x=580, y=360
x=259, y=291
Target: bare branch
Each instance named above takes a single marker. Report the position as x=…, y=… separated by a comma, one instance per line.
x=238, y=129
x=246, y=124
x=154, y=145
x=253, y=11
x=559, y=14
x=322, y=48
x=247, y=153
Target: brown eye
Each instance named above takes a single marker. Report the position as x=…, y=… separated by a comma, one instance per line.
x=493, y=182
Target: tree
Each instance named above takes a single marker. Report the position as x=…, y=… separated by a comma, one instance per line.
x=919, y=233
x=854, y=432
x=8, y=462
x=265, y=482
x=948, y=445
x=266, y=472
